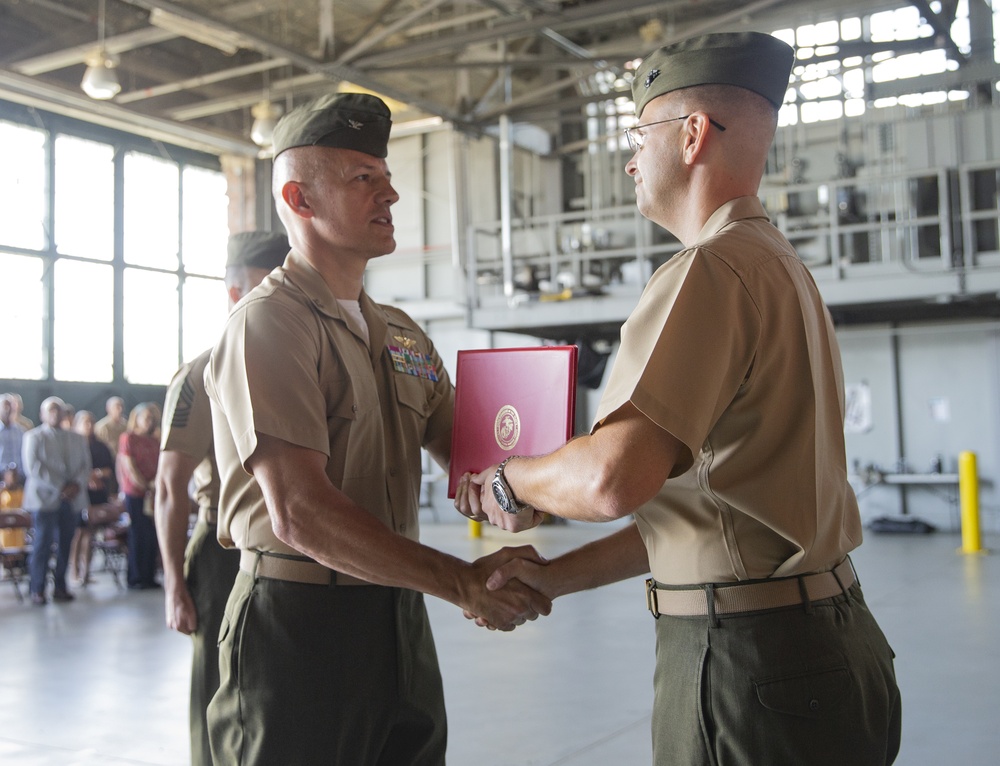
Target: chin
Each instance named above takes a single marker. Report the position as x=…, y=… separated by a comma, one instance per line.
x=386, y=249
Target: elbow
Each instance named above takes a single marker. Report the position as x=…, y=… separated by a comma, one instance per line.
x=287, y=527
x=283, y=528
x=617, y=490
x=610, y=497
x=162, y=489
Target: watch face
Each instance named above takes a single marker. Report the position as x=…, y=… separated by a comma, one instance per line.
x=501, y=496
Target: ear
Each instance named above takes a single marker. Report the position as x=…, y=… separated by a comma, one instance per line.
x=294, y=196
x=696, y=129
x=235, y=293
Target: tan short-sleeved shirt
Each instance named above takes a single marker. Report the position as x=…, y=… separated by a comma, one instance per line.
x=732, y=351
x=187, y=427
x=290, y=365
x=109, y=430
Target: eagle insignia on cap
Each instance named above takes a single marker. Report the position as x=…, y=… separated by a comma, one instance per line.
x=653, y=74
x=355, y=124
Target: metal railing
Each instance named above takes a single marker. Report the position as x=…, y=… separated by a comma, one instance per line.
x=934, y=221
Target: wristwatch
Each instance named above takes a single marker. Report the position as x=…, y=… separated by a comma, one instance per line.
x=503, y=493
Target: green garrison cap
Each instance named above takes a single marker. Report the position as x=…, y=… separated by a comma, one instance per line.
x=257, y=249
x=752, y=60
x=357, y=121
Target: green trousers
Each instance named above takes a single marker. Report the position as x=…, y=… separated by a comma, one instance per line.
x=786, y=687
x=316, y=674
x=209, y=570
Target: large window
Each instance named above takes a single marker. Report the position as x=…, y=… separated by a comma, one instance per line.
x=85, y=198
x=22, y=190
x=83, y=317
x=106, y=247
x=23, y=354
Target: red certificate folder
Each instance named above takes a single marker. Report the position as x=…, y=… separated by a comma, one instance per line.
x=510, y=401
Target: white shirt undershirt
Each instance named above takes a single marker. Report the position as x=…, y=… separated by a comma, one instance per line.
x=355, y=319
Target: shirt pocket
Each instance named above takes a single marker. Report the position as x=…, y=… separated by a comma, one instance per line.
x=413, y=393
x=354, y=424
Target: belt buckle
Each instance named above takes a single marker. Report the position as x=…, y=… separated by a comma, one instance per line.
x=651, y=603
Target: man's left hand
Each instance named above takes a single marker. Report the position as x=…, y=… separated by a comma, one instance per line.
x=475, y=500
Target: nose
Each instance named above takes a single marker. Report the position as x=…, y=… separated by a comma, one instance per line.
x=389, y=195
x=630, y=167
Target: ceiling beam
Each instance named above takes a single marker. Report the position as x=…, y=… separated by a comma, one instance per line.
x=31, y=92
x=941, y=26
x=195, y=82
x=117, y=44
x=592, y=13
x=333, y=71
x=373, y=38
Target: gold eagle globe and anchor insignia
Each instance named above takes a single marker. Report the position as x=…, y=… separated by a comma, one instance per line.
x=507, y=427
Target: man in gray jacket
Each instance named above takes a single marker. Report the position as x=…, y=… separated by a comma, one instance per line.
x=56, y=465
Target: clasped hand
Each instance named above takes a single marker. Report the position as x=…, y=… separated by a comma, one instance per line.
x=518, y=573
x=478, y=504
x=509, y=604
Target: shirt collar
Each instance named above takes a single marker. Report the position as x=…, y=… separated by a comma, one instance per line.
x=301, y=273
x=737, y=209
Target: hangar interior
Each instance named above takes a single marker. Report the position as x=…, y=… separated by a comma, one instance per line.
x=516, y=223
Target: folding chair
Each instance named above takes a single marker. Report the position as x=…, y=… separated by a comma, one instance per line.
x=110, y=538
x=15, y=547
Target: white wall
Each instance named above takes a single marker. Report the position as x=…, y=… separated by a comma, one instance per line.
x=948, y=402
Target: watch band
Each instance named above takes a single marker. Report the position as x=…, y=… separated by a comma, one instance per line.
x=508, y=491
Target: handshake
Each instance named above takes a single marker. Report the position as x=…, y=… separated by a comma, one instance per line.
x=516, y=579
x=508, y=588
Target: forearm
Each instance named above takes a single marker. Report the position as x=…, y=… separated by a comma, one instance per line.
x=311, y=515
x=569, y=483
x=330, y=528
x=133, y=473
x=616, y=557
x=598, y=477
x=173, y=509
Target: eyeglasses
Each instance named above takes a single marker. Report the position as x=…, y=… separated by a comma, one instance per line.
x=636, y=137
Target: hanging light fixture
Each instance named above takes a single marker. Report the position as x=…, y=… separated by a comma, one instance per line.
x=100, y=81
x=265, y=117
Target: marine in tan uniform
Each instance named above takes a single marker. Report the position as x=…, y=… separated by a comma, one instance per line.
x=110, y=428
x=321, y=402
x=721, y=429
x=198, y=574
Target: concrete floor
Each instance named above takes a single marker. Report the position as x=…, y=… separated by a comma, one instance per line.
x=102, y=681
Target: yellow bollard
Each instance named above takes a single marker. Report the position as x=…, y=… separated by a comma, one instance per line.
x=475, y=528
x=968, y=494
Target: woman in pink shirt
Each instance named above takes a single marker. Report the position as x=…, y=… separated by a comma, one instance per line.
x=138, y=452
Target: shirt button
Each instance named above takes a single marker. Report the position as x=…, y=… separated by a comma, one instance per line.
x=814, y=705
x=392, y=471
x=354, y=408
x=402, y=527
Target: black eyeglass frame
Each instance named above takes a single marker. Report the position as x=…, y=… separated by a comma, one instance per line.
x=636, y=138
